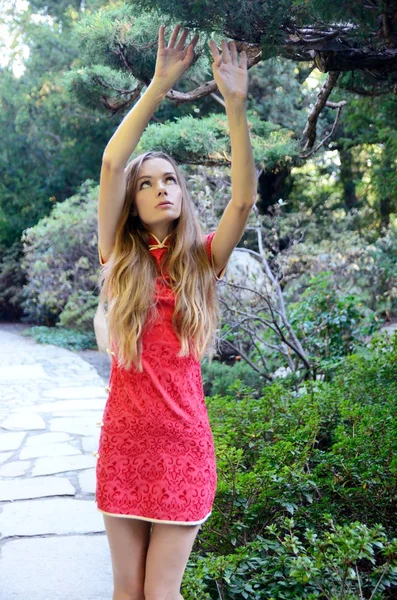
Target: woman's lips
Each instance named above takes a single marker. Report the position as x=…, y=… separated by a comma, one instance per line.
x=164, y=205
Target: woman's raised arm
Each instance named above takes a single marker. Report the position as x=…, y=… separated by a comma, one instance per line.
x=172, y=61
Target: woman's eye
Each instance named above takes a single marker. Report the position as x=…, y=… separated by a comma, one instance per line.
x=169, y=177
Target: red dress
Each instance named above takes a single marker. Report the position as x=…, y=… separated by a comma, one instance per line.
x=156, y=459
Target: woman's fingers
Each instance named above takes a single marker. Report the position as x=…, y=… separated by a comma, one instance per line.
x=193, y=42
x=225, y=52
x=182, y=40
x=215, y=53
x=174, y=35
x=229, y=54
x=233, y=52
x=161, y=37
x=171, y=44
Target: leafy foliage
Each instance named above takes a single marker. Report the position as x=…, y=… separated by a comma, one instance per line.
x=204, y=140
x=61, y=263
x=306, y=488
x=64, y=337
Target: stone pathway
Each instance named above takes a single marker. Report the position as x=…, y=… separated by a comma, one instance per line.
x=53, y=544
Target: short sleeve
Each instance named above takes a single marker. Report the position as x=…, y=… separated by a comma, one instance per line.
x=208, y=240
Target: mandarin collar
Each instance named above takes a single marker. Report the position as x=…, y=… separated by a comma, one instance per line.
x=154, y=242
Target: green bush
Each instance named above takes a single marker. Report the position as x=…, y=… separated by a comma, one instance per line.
x=324, y=456
x=12, y=280
x=361, y=264
x=338, y=564
x=61, y=263
x=194, y=140
x=220, y=378
x=65, y=338
x=330, y=324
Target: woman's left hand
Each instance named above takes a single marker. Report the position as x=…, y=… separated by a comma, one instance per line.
x=231, y=78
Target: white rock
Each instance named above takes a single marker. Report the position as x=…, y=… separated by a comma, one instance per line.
x=39, y=487
x=24, y=422
x=46, y=438
x=16, y=468
x=11, y=441
x=74, y=567
x=52, y=516
x=244, y=269
x=72, y=405
x=85, y=426
x=50, y=465
x=48, y=449
x=17, y=372
x=76, y=392
x=87, y=481
x=4, y=456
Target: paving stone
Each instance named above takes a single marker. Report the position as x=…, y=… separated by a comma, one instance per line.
x=55, y=515
x=86, y=426
x=18, y=372
x=50, y=407
x=39, y=450
x=10, y=441
x=51, y=402
x=60, y=568
x=87, y=481
x=16, y=468
x=4, y=456
x=50, y=465
x=46, y=438
x=90, y=443
x=24, y=422
x=89, y=414
x=76, y=392
x=37, y=487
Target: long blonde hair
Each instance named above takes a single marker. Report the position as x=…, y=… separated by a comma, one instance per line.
x=127, y=279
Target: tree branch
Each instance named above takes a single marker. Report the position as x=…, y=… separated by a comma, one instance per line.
x=311, y=125
x=339, y=107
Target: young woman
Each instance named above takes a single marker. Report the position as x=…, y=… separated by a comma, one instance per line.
x=156, y=471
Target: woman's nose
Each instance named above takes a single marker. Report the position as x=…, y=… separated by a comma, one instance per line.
x=161, y=188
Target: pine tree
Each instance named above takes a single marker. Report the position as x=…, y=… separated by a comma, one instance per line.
x=354, y=43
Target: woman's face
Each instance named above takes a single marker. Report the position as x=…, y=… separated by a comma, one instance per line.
x=157, y=183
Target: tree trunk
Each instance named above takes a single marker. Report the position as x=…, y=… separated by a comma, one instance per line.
x=347, y=179
x=272, y=187
x=385, y=210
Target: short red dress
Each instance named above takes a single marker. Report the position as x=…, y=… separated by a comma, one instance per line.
x=156, y=459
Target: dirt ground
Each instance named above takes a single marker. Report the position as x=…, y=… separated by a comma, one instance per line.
x=99, y=360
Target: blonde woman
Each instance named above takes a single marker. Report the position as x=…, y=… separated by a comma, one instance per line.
x=156, y=470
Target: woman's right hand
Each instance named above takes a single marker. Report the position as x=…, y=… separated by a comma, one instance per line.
x=173, y=60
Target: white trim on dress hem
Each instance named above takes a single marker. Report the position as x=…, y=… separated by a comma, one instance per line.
x=157, y=520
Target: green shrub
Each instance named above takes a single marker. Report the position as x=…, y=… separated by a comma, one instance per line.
x=220, y=378
x=60, y=336
x=12, y=280
x=330, y=324
x=338, y=564
x=323, y=455
x=61, y=263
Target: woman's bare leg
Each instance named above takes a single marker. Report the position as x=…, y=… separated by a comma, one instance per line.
x=128, y=542
x=169, y=550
